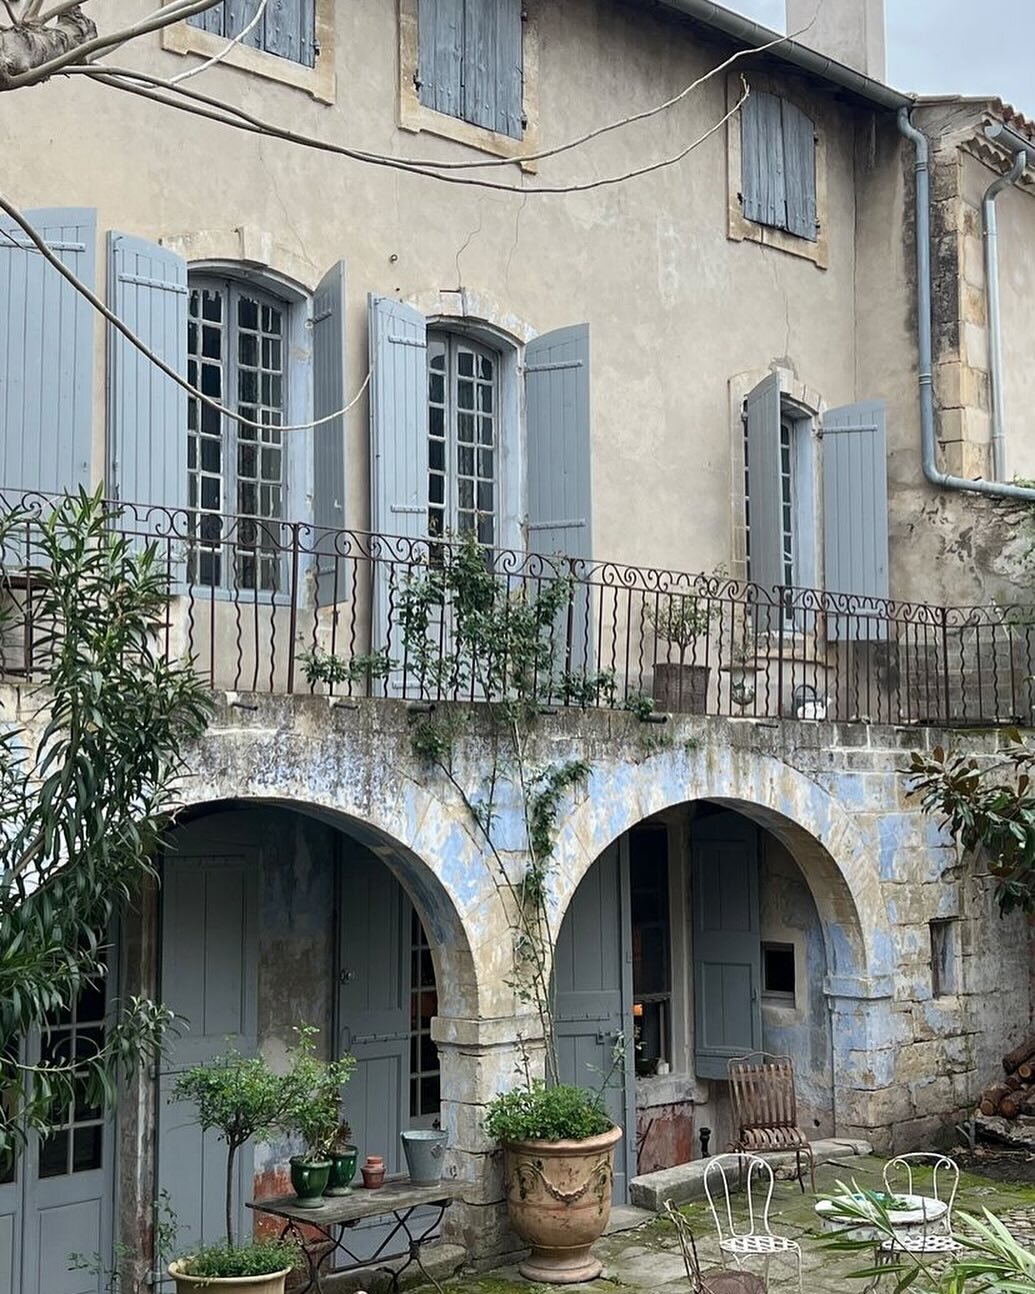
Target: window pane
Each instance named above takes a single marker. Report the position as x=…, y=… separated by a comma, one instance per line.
x=86, y=1148
x=211, y=455
x=54, y=1155
x=465, y=365
x=247, y=313
x=248, y=349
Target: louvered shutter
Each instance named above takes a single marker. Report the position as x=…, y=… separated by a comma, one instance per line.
x=557, y=418
x=147, y=411
x=440, y=27
x=398, y=440
x=855, y=512
x=46, y=354
x=492, y=77
x=727, y=947
x=329, y=437
x=763, y=189
x=799, y=155
x=765, y=528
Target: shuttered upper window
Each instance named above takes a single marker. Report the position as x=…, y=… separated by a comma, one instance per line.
x=286, y=28
x=470, y=62
x=778, y=165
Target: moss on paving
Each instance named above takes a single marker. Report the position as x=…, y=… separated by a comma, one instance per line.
x=627, y=1254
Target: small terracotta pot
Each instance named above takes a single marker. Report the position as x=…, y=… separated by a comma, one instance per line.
x=373, y=1172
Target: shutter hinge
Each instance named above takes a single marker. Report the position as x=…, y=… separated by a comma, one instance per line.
x=316, y=49
x=417, y=82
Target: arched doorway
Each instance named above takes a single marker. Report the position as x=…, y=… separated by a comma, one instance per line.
x=697, y=937
x=272, y=915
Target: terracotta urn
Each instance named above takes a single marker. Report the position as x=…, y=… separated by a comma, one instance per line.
x=559, y=1200
x=373, y=1172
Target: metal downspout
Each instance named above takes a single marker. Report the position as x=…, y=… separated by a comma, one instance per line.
x=990, y=230
x=928, y=454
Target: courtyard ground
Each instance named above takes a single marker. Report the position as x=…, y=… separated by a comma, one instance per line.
x=646, y=1257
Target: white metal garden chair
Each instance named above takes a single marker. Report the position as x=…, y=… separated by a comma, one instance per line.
x=935, y=1234
x=758, y=1240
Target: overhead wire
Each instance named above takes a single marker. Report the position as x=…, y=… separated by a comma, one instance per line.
x=202, y=105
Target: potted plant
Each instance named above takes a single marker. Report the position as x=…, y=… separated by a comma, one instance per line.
x=316, y=1114
x=681, y=685
x=558, y=1165
x=343, y=1156
x=743, y=668
x=240, y=1097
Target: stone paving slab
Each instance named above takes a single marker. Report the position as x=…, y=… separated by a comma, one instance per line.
x=647, y=1257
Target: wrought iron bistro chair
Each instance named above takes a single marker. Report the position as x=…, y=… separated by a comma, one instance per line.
x=765, y=1110
x=758, y=1240
x=721, y=1281
x=935, y=1234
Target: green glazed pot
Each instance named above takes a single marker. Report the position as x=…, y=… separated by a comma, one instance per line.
x=343, y=1170
x=309, y=1179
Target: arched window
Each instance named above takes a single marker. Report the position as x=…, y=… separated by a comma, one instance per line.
x=463, y=437
x=237, y=354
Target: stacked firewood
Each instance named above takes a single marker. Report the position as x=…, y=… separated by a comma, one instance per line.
x=1015, y=1095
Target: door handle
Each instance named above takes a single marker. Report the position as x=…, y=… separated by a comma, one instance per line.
x=605, y=1035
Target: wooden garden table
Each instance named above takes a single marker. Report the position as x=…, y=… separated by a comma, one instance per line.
x=398, y=1198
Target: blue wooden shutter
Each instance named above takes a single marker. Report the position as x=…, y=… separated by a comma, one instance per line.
x=329, y=437
x=799, y=155
x=398, y=443
x=213, y=20
x=763, y=188
x=46, y=354
x=147, y=411
x=557, y=434
x=855, y=511
x=288, y=30
x=492, y=65
x=727, y=941
x=440, y=27
x=765, y=534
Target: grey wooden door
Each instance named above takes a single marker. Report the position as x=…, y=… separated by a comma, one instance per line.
x=57, y=1197
x=727, y=946
x=374, y=1002
x=209, y=975
x=593, y=981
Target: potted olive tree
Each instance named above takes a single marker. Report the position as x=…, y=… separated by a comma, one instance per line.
x=317, y=1116
x=680, y=680
x=242, y=1098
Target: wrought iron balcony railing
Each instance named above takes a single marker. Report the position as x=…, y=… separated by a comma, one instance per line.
x=285, y=607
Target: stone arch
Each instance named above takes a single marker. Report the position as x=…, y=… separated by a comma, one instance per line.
x=449, y=897
x=832, y=853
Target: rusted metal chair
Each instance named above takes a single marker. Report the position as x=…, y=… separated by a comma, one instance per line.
x=715, y=1280
x=765, y=1110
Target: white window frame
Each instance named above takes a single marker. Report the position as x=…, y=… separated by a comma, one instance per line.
x=804, y=557
x=297, y=446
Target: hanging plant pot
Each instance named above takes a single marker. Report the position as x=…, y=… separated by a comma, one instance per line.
x=559, y=1201
x=309, y=1180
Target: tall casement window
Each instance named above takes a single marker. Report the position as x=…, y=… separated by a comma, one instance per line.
x=778, y=165
x=815, y=502
x=463, y=437
x=470, y=62
x=287, y=27
x=237, y=354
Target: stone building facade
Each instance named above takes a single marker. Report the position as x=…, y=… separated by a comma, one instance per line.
x=625, y=349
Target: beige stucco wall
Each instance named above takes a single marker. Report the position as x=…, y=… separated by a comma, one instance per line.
x=677, y=309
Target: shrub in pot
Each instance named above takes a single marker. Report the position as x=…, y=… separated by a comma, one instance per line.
x=240, y=1097
x=681, y=684
x=558, y=1156
x=316, y=1114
